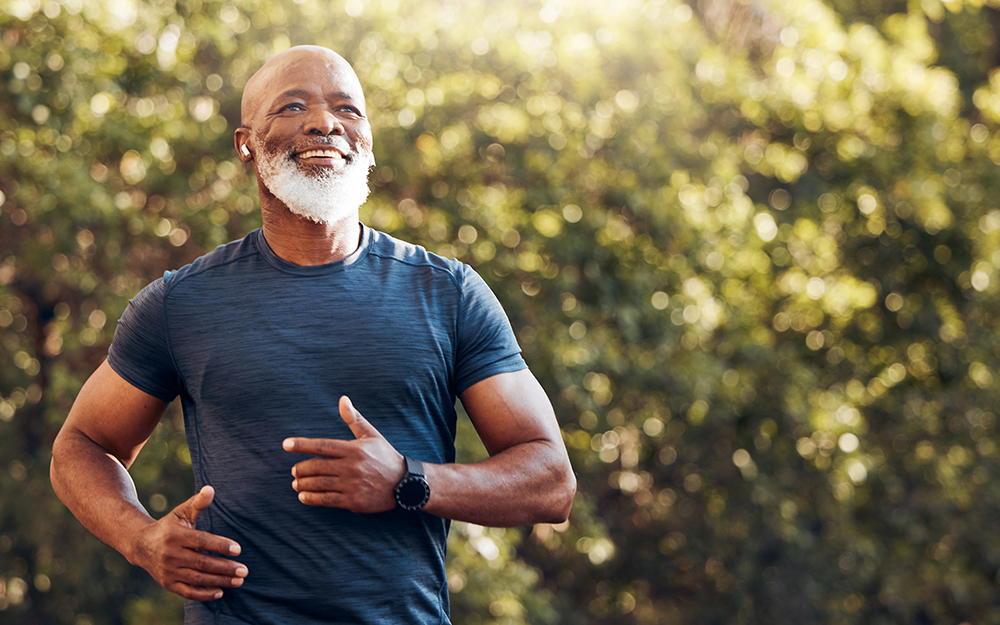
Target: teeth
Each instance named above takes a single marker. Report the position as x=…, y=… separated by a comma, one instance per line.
x=319, y=154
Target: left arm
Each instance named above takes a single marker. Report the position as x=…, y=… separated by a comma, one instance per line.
x=527, y=478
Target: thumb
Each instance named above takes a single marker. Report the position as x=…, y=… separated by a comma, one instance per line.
x=190, y=509
x=358, y=424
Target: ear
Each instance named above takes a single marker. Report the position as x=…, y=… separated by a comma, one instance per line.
x=242, y=139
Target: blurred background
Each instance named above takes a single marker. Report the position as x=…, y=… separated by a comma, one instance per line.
x=749, y=247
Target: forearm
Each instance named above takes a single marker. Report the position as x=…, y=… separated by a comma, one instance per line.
x=98, y=490
x=528, y=483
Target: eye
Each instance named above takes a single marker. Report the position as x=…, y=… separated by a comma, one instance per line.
x=294, y=106
x=350, y=110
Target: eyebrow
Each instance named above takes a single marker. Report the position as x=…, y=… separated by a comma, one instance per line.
x=301, y=93
x=294, y=93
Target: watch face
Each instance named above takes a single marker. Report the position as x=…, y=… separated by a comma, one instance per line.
x=412, y=493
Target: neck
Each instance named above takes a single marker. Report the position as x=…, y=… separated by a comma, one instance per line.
x=304, y=242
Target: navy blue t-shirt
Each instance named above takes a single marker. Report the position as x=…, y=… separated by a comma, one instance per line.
x=260, y=349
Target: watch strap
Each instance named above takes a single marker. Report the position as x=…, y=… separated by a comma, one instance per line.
x=414, y=466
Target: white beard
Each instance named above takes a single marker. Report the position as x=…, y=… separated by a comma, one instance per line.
x=325, y=196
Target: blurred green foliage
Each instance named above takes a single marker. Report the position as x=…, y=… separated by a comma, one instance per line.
x=749, y=248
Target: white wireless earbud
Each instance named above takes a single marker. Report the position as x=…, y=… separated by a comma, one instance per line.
x=246, y=152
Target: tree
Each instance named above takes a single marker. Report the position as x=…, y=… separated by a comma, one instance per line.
x=748, y=248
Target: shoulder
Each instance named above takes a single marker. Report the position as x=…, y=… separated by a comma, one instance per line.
x=401, y=255
x=221, y=257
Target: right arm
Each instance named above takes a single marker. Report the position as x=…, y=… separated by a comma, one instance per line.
x=108, y=424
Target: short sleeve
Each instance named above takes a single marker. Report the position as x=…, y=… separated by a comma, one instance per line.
x=486, y=342
x=140, y=351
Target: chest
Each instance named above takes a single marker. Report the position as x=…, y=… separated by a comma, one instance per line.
x=266, y=346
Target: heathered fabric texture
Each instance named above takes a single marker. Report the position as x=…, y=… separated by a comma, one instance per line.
x=260, y=349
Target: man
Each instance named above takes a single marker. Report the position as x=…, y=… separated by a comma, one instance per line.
x=277, y=344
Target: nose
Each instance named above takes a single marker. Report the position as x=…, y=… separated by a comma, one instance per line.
x=323, y=122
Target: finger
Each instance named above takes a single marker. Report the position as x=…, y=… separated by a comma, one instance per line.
x=203, y=498
x=203, y=563
x=319, y=484
x=195, y=593
x=189, y=510
x=186, y=537
x=204, y=541
x=208, y=580
x=318, y=466
x=329, y=447
x=358, y=424
x=330, y=500
x=203, y=578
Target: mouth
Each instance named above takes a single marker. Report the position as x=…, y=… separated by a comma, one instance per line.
x=322, y=155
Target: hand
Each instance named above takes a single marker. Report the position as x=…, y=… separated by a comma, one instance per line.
x=171, y=550
x=358, y=475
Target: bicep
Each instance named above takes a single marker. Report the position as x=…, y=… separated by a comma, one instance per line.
x=508, y=409
x=114, y=414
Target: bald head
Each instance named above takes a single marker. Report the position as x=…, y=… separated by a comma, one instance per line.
x=269, y=80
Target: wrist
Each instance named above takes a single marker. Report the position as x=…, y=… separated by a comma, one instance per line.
x=135, y=535
x=412, y=492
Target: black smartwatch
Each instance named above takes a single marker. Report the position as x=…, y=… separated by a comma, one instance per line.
x=412, y=492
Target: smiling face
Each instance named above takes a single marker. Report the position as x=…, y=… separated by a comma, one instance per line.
x=305, y=127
